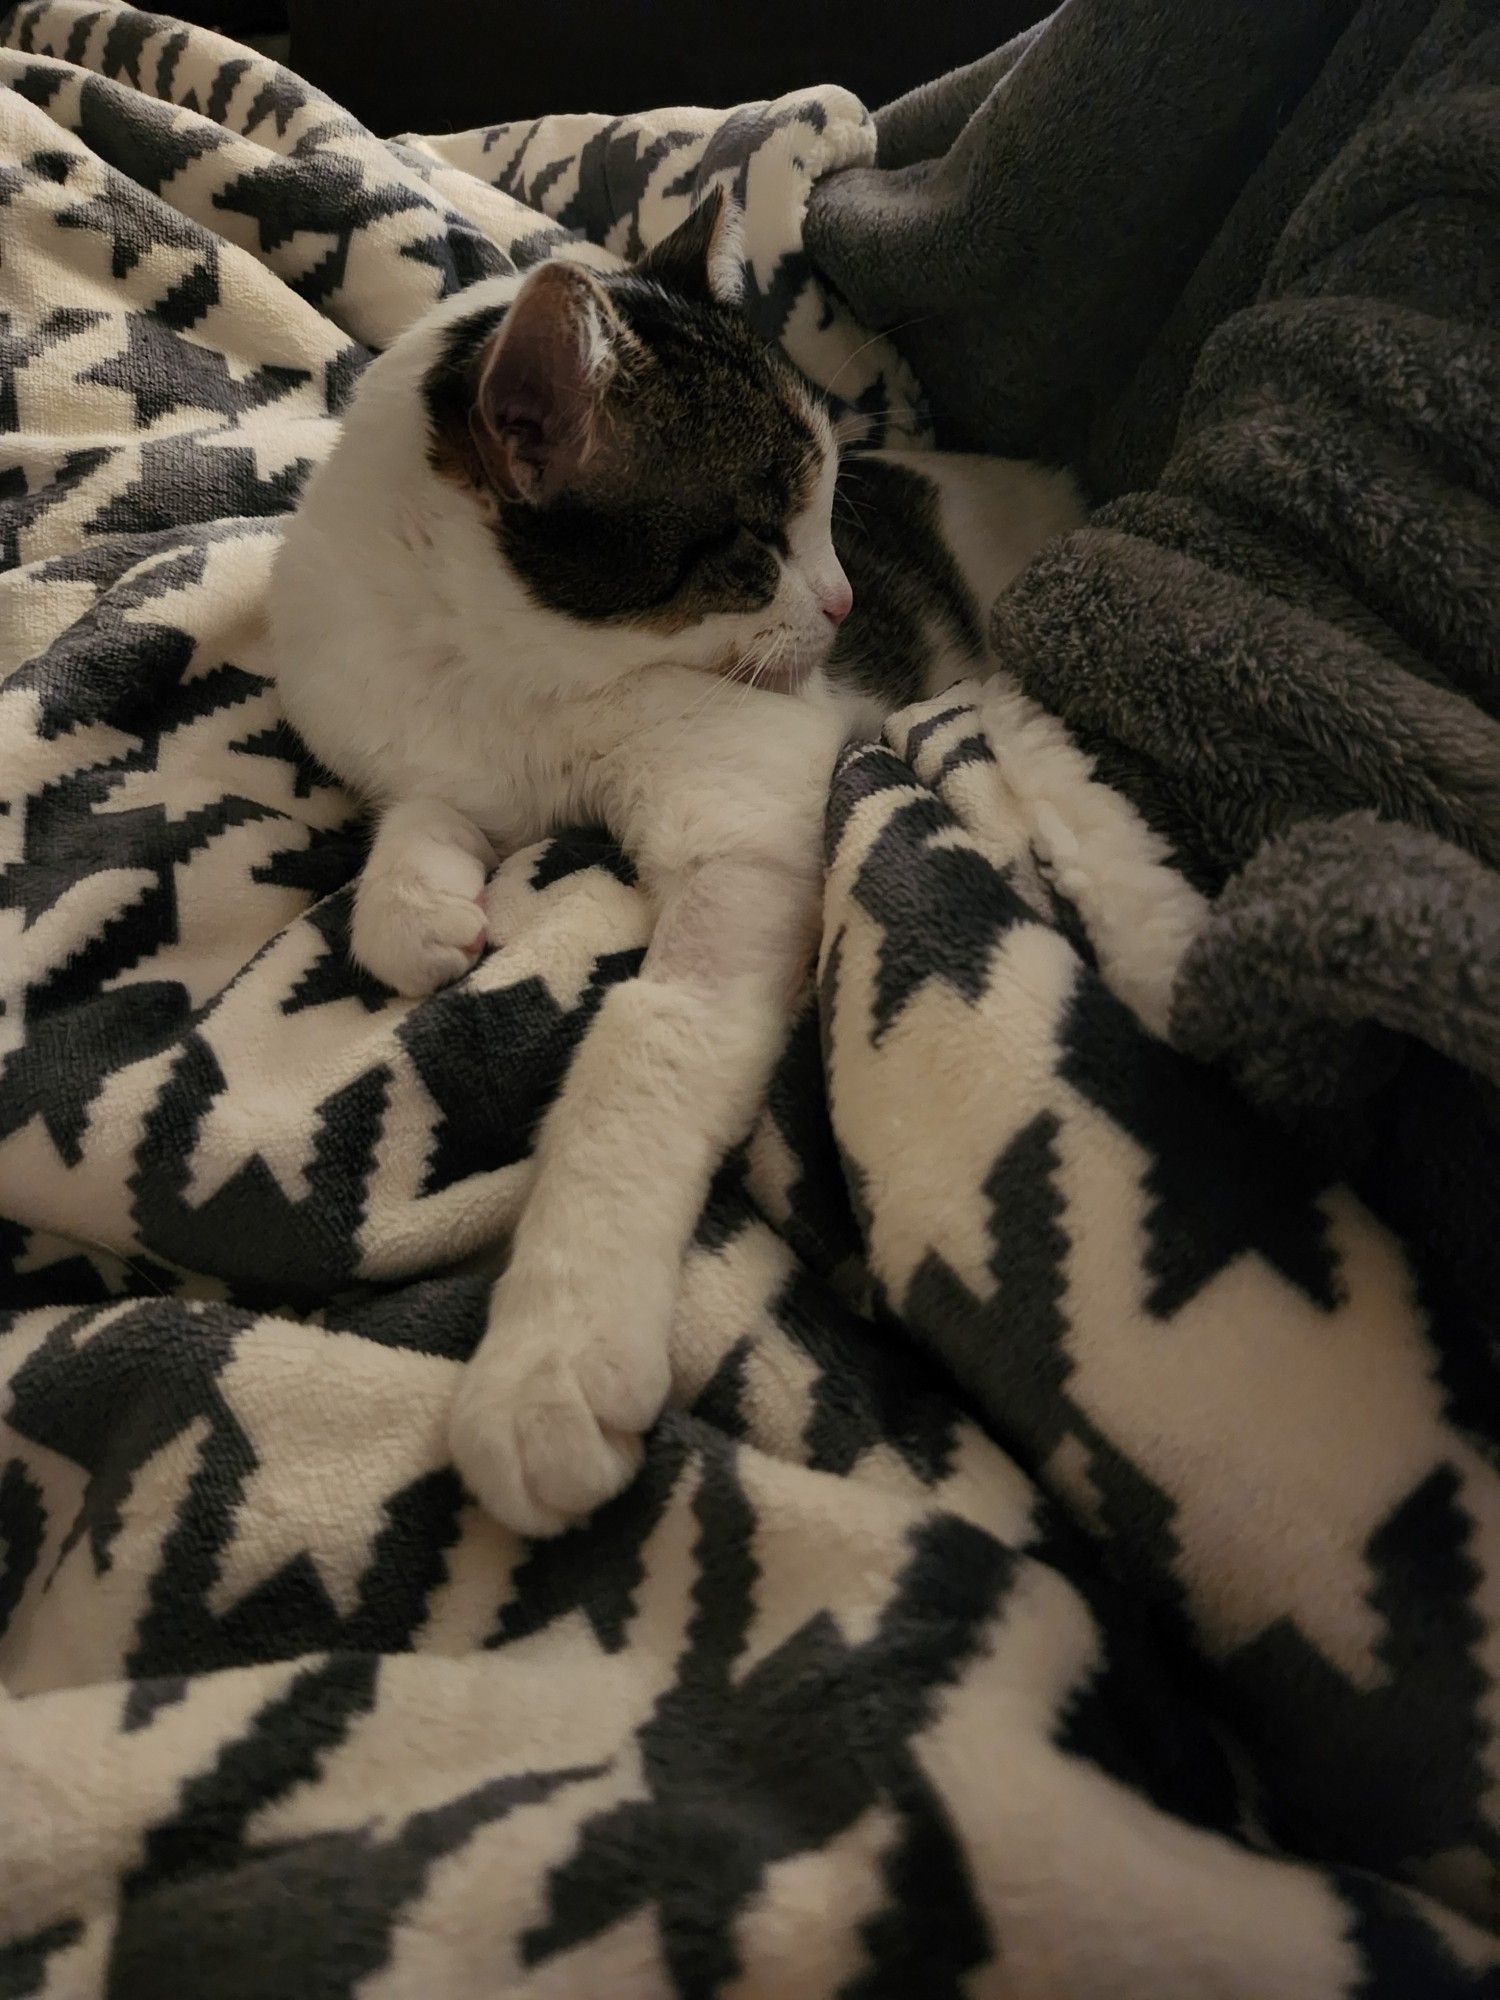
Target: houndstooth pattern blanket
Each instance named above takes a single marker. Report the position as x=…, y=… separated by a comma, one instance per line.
x=1136, y=1639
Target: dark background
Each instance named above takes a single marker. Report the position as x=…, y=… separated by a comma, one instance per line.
x=443, y=65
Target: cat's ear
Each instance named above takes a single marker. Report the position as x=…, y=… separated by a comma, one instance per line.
x=704, y=257
x=542, y=381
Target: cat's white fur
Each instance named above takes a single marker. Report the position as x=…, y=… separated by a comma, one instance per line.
x=415, y=664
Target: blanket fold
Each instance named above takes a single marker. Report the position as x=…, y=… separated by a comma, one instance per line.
x=1285, y=650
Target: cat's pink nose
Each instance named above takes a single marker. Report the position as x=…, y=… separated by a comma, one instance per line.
x=838, y=601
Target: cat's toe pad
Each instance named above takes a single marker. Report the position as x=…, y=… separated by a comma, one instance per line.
x=546, y=1430
x=415, y=924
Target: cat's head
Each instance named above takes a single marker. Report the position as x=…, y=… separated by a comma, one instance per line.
x=646, y=463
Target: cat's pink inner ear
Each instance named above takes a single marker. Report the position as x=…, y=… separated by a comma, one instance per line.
x=541, y=383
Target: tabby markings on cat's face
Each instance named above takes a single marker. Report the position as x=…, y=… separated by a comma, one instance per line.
x=649, y=465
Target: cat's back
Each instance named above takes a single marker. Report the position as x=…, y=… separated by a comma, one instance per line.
x=929, y=539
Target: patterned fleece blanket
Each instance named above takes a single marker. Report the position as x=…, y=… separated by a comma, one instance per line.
x=1064, y=1570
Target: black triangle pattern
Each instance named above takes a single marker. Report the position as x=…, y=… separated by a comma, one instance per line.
x=1219, y=1194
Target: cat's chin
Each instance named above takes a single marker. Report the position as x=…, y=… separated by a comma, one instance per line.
x=787, y=675
x=788, y=678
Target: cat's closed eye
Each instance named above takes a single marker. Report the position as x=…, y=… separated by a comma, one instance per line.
x=712, y=547
x=731, y=548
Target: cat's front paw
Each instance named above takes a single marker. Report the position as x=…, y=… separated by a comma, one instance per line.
x=419, y=917
x=549, y=1416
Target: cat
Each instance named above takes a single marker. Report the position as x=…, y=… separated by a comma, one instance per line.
x=565, y=513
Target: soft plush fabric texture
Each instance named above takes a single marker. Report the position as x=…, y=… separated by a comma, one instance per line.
x=1243, y=263
x=1069, y=1565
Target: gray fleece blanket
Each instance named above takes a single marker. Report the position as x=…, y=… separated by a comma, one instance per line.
x=1242, y=264
x=1068, y=1567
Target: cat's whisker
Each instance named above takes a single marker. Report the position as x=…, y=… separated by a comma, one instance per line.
x=776, y=647
x=760, y=662
x=752, y=682
x=886, y=333
x=125, y=1260
x=847, y=500
x=770, y=654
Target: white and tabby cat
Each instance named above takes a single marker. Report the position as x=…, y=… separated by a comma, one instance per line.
x=559, y=508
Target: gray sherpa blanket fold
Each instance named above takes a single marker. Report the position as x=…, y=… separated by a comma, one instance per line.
x=1068, y=1566
x=1255, y=293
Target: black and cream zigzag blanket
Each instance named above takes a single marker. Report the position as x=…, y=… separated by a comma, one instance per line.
x=1068, y=1567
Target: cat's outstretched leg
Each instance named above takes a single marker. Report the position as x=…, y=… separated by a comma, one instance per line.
x=416, y=921
x=574, y=1365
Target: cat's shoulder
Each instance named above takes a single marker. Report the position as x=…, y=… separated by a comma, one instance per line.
x=929, y=539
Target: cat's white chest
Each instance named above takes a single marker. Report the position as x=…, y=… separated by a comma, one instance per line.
x=512, y=766
x=407, y=695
